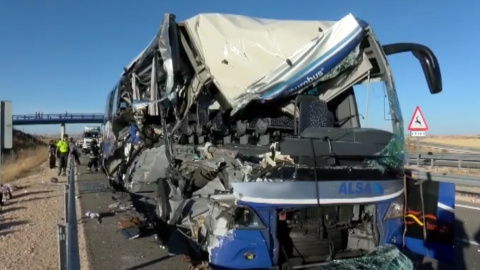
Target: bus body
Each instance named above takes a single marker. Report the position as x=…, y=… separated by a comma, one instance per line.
x=246, y=135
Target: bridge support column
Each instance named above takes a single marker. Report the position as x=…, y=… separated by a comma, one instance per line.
x=62, y=130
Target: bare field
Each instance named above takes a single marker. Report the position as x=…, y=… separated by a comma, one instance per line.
x=466, y=141
x=28, y=231
x=411, y=149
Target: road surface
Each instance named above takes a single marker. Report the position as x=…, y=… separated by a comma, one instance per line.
x=107, y=249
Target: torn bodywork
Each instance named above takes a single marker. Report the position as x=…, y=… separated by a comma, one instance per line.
x=245, y=135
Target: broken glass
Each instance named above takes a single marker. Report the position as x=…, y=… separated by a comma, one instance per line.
x=385, y=257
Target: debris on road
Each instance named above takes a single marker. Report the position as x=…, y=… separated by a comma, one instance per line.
x=128, y=222
x=93, y=215
x=131, y=233
x=120, y=206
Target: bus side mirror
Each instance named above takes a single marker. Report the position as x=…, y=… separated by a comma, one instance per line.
x=427, y=59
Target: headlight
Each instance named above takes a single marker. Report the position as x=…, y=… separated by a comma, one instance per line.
x=249, y=255
x=395, y=209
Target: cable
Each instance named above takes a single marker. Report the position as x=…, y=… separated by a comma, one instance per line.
x=416, y=219
x=423, y=211
x=405, y=206
x=329, y=145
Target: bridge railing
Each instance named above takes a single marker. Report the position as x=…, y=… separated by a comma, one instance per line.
x=57, y=116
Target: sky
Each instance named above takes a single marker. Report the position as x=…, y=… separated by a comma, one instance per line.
x=65, y=55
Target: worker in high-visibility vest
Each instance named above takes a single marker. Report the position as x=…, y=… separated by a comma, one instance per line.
x=62, y=153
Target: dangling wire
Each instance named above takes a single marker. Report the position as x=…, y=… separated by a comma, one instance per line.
x=423, y=211
x=367, y=100
x=405, y=207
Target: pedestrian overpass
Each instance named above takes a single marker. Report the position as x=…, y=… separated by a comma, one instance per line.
x=57, y=119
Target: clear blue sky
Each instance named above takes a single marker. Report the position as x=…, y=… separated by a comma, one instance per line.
x=59, y=56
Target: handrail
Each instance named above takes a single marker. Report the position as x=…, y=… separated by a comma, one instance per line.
x=20, y=117
x=458, y=160
x=464, y=180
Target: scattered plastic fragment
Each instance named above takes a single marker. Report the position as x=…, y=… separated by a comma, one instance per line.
x=131, y=233
x=92, y=215
x=120, y=206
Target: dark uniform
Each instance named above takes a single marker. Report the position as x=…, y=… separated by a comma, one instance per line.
x=94, y=155
x=73, y=151
x=52, y=150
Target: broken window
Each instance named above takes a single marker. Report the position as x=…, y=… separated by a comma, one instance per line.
x=245, y=218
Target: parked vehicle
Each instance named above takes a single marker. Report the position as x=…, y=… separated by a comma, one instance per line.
x=246, y=134
x=89, y=133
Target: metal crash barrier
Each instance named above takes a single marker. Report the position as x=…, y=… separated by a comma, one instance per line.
x=68, y=257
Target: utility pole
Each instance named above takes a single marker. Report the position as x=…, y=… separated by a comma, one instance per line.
x=6, y=129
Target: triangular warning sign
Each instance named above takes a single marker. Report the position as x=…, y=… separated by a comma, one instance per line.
x=418, y=123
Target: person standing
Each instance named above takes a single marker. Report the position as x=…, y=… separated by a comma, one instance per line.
x=73, y=151
x=52, y=149
x=94, y=154
x=62, y=153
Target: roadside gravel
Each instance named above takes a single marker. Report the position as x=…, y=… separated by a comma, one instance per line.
x=28, y=232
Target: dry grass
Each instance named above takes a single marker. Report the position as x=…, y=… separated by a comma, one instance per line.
x=24, y=163
x=28, y=153
x=466, y=141
x=411, y=149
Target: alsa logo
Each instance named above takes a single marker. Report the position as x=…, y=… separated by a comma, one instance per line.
x=366, y=188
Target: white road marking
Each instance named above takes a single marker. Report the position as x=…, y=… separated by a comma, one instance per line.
x=471, y=242
x=467, y=206
x=467, y=241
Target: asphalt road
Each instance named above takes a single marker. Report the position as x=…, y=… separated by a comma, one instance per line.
x=108, y=249
x=467, y=236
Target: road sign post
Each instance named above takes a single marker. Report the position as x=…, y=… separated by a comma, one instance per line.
x=6, y=129
x=418, y=127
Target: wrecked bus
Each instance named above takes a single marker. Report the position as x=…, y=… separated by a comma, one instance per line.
x=246, y=136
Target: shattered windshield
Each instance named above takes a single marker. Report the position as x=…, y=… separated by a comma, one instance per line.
x=386, y=257
x=380, y=109
x=367, y=135
x=90, y=135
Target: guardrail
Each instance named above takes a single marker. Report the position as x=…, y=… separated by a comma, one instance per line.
x=464, y=180
x=458, y=160
x=68, y=257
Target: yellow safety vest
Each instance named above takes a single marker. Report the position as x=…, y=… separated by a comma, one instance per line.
x=62, y=146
